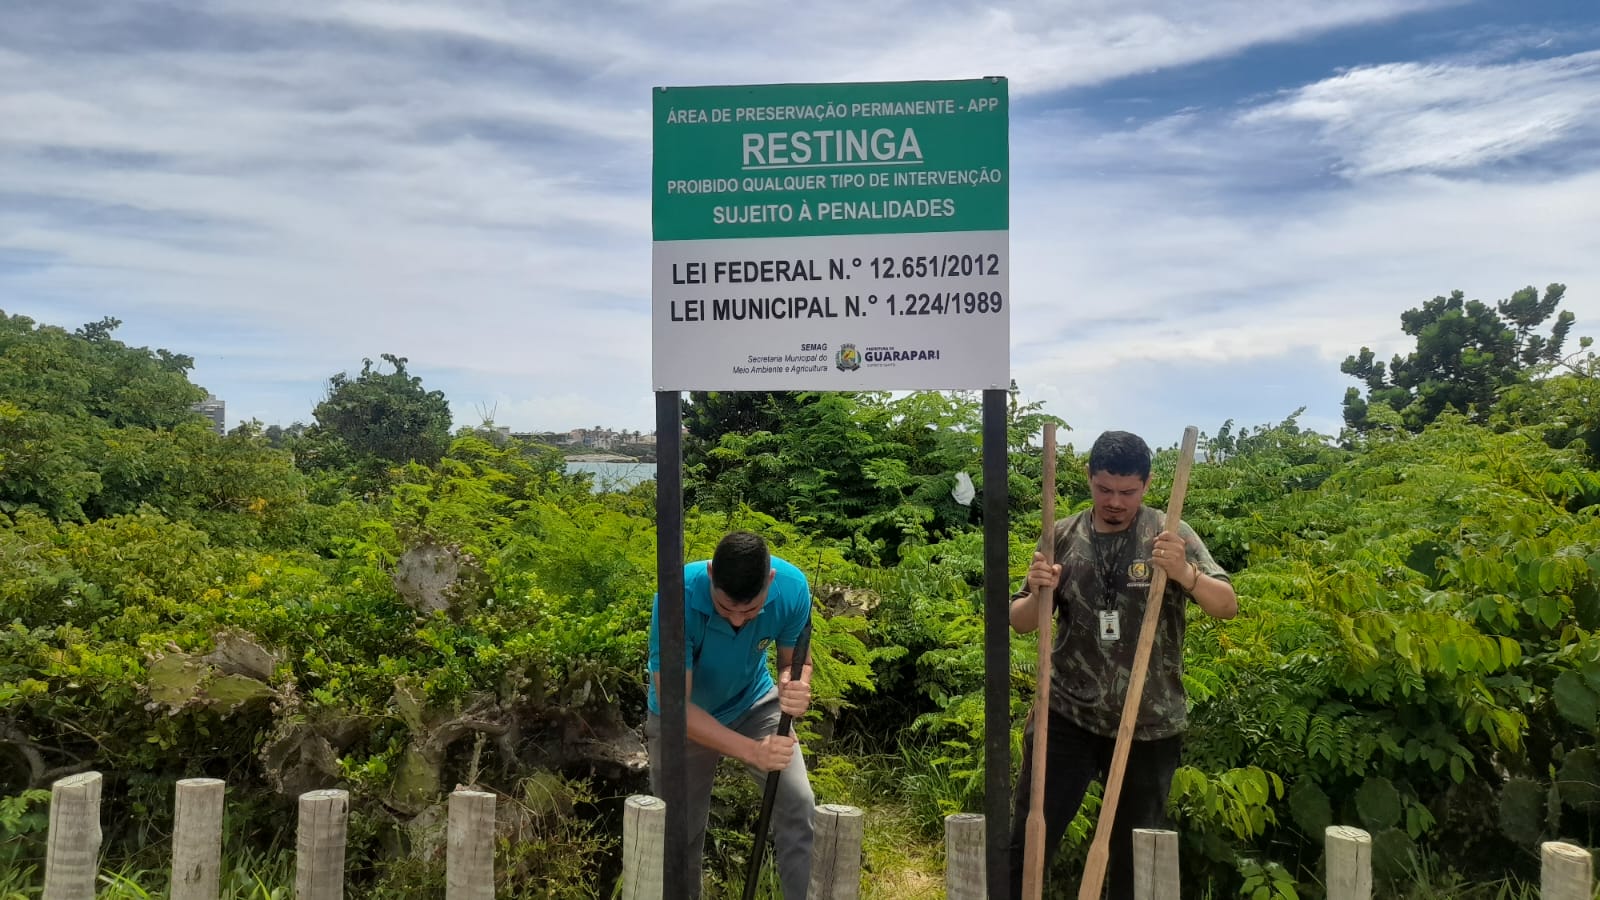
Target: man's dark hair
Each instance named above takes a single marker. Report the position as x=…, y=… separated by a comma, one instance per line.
x=740, y=565
x=1120, y=453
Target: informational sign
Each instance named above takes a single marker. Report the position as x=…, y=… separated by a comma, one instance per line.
x=832, y=237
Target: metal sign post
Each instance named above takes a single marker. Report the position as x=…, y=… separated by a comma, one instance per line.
x=996, y=650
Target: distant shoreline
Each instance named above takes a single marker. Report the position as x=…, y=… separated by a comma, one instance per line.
x=605, y=457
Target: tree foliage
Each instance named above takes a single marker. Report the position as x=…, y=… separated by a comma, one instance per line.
x=868, y=469
x=709, y=415
x=379, y=419
x=1562, y=402
x=1466, y=352
x=88, y=374
x=90, y=427
x=1416, y=653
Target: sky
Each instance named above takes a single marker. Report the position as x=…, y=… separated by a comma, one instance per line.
x=1213, y=202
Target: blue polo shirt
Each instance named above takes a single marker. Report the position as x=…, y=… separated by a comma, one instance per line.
x=730, y=668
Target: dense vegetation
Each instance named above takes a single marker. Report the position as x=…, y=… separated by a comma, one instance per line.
x=374, y=603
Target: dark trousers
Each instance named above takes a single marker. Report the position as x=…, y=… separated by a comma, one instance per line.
x=1075, y=757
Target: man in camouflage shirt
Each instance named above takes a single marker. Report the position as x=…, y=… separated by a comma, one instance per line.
x=1099, y=584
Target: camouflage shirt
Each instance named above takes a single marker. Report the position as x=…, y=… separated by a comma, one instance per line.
x=1100, y=602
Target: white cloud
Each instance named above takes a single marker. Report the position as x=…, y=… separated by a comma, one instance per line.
x=282, y=189
x=1415, y=117
x=1041, y=46
x=1156, y=316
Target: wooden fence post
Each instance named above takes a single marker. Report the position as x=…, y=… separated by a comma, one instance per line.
x=1349, y=855
x=469, y=860
x=72, y=860
x=644, y=834
x=1155, y=864
x=1567, y=872
x=197, y=839
x=836, y=853
x=964, y=868
x=319, y=847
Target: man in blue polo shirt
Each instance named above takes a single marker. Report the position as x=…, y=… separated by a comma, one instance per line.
x=737, y=606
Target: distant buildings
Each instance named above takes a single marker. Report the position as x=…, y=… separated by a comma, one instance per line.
x=216, y=410
x=596, y=438
x=607, y=439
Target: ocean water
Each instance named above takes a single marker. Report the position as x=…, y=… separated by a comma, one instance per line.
x=615, y=476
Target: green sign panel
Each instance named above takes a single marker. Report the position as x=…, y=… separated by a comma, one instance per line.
x=791, y=160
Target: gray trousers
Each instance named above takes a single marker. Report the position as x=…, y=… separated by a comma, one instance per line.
x=791, y=813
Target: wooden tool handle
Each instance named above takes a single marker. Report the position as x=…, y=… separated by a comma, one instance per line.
x=1033, y=848
x=1094, y=872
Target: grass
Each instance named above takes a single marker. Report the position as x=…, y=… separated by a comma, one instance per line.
x=246, y=876
x=901, y=863
x=20, y=882
x=903, y=798
x=903, y=854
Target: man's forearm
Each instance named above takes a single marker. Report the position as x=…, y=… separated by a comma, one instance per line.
x=705, y=730
x=1214, y=595
x=1025, y=613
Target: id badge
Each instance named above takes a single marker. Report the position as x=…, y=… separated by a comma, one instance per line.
x=1110, y=625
